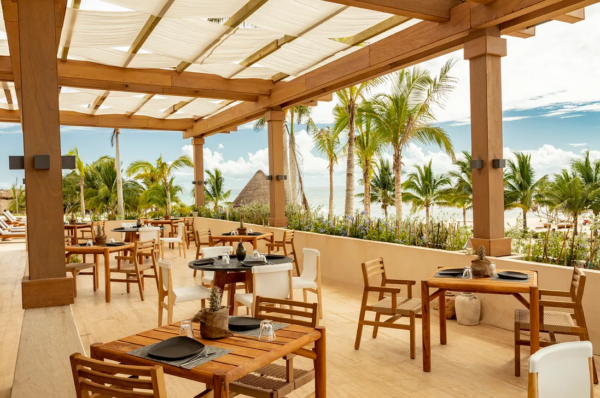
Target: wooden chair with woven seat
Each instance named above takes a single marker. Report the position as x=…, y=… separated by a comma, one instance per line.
x=556, y=322
x=202, y=239
x=393, y=305
x=133, y=270
x=282, y=245
x=190, y=233
x=95, y=378
x=87, y=234
x=277, y=381
x=76, y=268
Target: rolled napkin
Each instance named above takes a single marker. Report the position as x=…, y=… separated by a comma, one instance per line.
x=204, y=261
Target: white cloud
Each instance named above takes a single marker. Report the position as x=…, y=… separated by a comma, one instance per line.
x=570, y=116
x=546, y=160
x=221, y=146
x=513, y=118
x=576, y=145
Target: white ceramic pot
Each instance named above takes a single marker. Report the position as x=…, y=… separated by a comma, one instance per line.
x=468, y=309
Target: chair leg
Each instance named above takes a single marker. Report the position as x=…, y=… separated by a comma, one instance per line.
x=320, y=301
x=160, y=311
x=517, y=350
x=184, y=256
x=179, y=247
x=305, y=295
x=412, y=337
x=128, y=284
x=74, y=283
x=140, y=284
x=142, y=280
x=376, y=328
x=170, y=312
x=195, y=271
x=94, y=279
x=360, y=328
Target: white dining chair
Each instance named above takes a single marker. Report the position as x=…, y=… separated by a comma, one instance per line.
x=562, y=370
x=175, y=295
x=208, y=277
x=178, y=239
x=310, y=279
x=151, y=233
x=272, y=281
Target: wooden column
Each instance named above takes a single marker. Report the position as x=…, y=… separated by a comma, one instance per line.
x=274, y=119
x=484, y=56
x=47, y=284
x=198, y=144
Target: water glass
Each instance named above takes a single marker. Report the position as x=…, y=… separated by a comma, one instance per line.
x=267, y=333
x=225, y=258
x=468, y=273
x=233, y=233
x=494, y=272
x=111, y=240
x=250, y=231
x=89, y=243
x=256, y=255
x=186, y=329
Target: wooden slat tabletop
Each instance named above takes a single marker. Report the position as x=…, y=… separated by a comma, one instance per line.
x=485, y=285
x=248, y=353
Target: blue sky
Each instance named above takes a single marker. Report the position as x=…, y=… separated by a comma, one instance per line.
x=551, y=101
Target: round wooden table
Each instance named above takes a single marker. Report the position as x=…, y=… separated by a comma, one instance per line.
x=232, y=274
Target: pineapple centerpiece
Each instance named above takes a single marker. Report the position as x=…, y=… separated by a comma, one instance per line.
x=99, y=235
x=214, y=320
x=482, y=267
x=242, y=230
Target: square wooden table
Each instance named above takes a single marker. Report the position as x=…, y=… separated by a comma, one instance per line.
x=482, y=285
x=105, y=251
x=248, y=354
x=216, y=239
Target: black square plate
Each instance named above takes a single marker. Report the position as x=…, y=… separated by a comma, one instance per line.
x=243, y=323
x=176, y=348
x=115, y=244
x=512, y=275
x=452, y=271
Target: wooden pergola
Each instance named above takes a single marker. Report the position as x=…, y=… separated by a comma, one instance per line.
x=39, y=67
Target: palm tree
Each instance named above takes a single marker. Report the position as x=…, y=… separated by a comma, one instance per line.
x=114, y=141
x=214, y=188
x=345, y=114
x=160, y=172
x=291, y=156
x=155, y=196
x=382, y=186
x=405, y=115
x=571, y=195
x=17, y=203
x=369, y=143
x=327, y=142
x=424, y=188
x=80, y=168
x=461, y=194
x=520, y=185
x=589, y=173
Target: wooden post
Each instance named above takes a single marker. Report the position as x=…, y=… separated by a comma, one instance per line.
x=198, y=144
x=484, y=55
x=47, y=284
x=274, y=119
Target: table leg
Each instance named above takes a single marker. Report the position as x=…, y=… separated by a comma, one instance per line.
x=221, y=282
x=442, y=313
x=107, y=275
x=96, y=272
x=534, y=315
x=249, y=282
x=254, y=244
x=425, y=309
x=320, y=365
x=220, y=386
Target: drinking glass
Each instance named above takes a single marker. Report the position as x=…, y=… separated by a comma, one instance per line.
x=468, y=274
x=267, y=333
x=225, y=258
x=233, y=233
x=186, y=329
x=89, y=243
x=256, y=255
x=494, y=272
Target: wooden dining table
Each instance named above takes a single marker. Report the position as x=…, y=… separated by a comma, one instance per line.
x=214, y=240
x=105, y=251
x=72, y=229
x=229, y=275
x=481, y=285
x=247, y=355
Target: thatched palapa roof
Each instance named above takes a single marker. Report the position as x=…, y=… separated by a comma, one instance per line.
x=256, y=191
x=5, y=198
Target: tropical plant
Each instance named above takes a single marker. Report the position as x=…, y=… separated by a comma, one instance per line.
x=114, y=141
x=520, y=185
x=327, y=143
x=405, y=115
x=154, y=197
x=214, y=188
x=17, y=203
x=424, y=189
x=382, y=186
x=589, y=172
x=369, y=144
x=460, y=195
x=160, y=172
x=345, y=114
x=80, y=169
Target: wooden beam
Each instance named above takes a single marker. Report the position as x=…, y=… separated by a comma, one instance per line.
x=572, y=17
x=173, y=109
x=274, y=119
x=523, y=34
x=198, y=146
x=147, y=98
x=70, y=118
x=232, y=23
x=8, y=96
x=98, y=102
x=68, y=31
x=11, y=23
x=359, y=38
x=543, y=14
x=427, y=10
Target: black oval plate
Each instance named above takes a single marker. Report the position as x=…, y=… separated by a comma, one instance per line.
x=512, y=275
x=115, y=244
x=176, y=348
x=274, y=256
x=255, y=233
x=243, y=323
x=452, y=271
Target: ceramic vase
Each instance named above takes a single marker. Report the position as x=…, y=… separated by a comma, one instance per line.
x=468, y=309
x=240, y=253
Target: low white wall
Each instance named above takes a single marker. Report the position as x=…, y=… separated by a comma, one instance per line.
x=341, y=258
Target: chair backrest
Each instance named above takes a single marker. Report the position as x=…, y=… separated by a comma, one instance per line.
x=9, y=215
x=100, y=379
x=149, y=233
x=311, y=265
x=562, y=370
x=180, y=230
x=164, y=274
x=577, y=285
x=189, y=223
x=267, y=308
x=147, y=246
x=202, y=236
x=373, y=268
x=288, y=235
x=274, y=281
x=215, y=251
x=3, y=224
